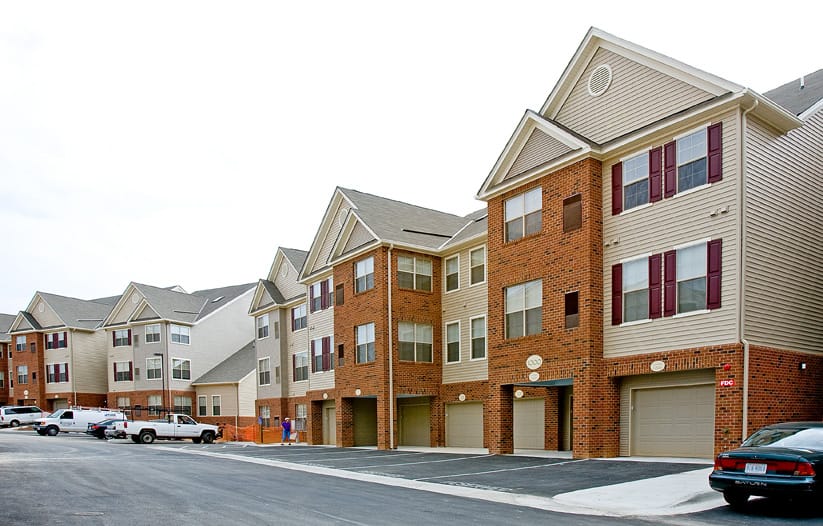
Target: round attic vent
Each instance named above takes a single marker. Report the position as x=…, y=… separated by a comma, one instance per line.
x=600, y=80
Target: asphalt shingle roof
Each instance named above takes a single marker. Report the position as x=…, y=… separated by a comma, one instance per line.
x=232, y=369
x=77, y=313
x=297, y=257
x=273, y=291
x=796, y=99
x=189, y=308
x=5, y=324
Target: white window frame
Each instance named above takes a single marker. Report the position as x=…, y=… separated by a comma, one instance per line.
x=180, y=331
x=639, y=260
x=157, y=333
x=446, y=343
x=511, y=309
x=485, y=337
x=679, y=162
x=362, y=270
x=202, y=405
x=262, y=323
x=415, y=261
x=118, y=371
x=472, y=267
x=121, y=337
x=20, y=343
x=446, y=273
x=302, y=310
x=418, y=331
x=123, y=402
x=260, y=371
x=22, y=374
x=218, y=405
x=515, y=209
x=157, y=407
x=149, y=367
x=368, y=331
x=635, y=165
x=705, y=244
x=177, y=363
x=301, y=361
x=180, y=407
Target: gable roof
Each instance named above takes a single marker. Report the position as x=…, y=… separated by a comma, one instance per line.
x=233, y=369
x=72, y=313
x=476, y=228
x=798, y=96
x=296, y=257
x=5, y=325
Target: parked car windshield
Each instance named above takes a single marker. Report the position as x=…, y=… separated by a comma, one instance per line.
x=810, y=438
x=57, y=413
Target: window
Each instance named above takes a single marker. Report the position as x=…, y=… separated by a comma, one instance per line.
x=452, y=273
x=22, y=374
x=123, y=372
x=201, y=406
x=182, y=404
x=123, y=402
x=524, y=309
x=122, y=337
x=415, y=342
x=322, y=352
x=56, y=340
x=154, y=368
x=571, y=310
x=365, y=343
x=301, y=366
x=414, y=273
x=298, y=317
x=320, y=295
x=300, y=414
x=277, y=329
x=262, y=326
x=478, y=265
x=265, y=415
x=277, y=374
x=364, y=275
x=33, y=346
x=636, y=290
x=57, y=373
x=691, y=161
x=691, y=278
x=636, y=181
x=155, y=404
x=152, y=333
x=215, y=405
x=180, y=334
x=572, y=213
x=264, y=371
x=2, y=380
x=338, y=295
x=453, y=342
x=20, y=343
x=523, y=214
x=478, y=338
x=180, y=369
x=694, y=160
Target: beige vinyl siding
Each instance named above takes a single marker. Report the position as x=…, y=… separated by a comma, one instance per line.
x=359, y=237
x=638, y=95
x=230, y=395
x=322, y=325
x=298, y=343
x=146, y=313
x=270, y=348
x=265, y=298
x=87, y=368
x=647, y=381
x=654, y=229
x=58, y=356
x=127, y=306
x=784, y=223
x=462, y=305
x=539, y=148
x=335, y=224
x=248, y=395
x=47, y=318
x=288, y=285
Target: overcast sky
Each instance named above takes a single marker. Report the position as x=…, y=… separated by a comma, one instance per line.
x=183, y=142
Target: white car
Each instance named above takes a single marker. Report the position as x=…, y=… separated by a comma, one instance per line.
x=20, y=415
x=74, y=420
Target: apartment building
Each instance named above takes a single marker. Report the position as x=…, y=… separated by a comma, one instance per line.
x=5, y=357
x=158, y=340
x=56, y=355
x=227, y=393
x=642, y=226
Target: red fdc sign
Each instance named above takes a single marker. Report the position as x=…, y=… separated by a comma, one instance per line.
x=727, y=383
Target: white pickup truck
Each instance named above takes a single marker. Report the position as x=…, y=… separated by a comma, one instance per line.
x=174, y=426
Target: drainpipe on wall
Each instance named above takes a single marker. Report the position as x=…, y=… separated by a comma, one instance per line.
x=391, y=358
x=71, y=361
x=742, y=270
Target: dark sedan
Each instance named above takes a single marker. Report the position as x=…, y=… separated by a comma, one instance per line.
x=104, y=429
x=781, y=460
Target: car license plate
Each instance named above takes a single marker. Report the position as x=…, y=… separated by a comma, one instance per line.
x=755, y=469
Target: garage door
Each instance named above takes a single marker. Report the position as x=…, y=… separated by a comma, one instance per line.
x=529, y=424
x=365, y=421
x=415, y=428
x=673, y=421
x=464, y=425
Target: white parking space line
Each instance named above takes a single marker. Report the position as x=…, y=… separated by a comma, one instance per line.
x=501, y=470
x=414, y=463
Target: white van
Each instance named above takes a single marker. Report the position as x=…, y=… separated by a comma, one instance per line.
x=20, y=415
x=74, y=419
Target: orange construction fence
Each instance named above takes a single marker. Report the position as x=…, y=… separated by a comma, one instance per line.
x=254, y=433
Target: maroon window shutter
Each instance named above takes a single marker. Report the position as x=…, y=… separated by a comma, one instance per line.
x=311, y=298
x=715, y=153
x=324, y=294
x=617, y=188
x=655, y=291
x=670, y=283
x=715, y=253
x=326, y=353
x=617, y=294
x=313, y=351
x=294, y=368
x=131, y=372
x=114, y=367
x=129, y=336
x=670, y=168
x=656, y=174
x=114, y=338
x=292, y=319
x=54, y=339
x=66, y=368
x=65, y=338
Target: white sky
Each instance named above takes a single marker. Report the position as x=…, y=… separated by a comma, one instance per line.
x=183, y=142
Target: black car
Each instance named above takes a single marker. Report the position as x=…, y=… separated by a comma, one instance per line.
x=782, y=460
x=104, y=429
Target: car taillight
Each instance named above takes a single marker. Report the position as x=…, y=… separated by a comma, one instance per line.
x=804, y=469
x=726, y=464
x=125, y=425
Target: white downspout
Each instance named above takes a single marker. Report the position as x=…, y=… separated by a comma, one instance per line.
x=391, y=358
x=71, y=359
x=741, y=301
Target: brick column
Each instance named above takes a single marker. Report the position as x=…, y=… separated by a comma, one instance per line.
x=500, y=413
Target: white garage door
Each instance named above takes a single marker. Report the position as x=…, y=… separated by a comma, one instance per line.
x=529, y=424
x=673, y=421
x=464, y=425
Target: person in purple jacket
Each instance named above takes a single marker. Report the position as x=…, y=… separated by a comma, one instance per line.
x=286, y=425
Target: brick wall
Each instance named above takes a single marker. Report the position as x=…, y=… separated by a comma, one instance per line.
x=36, y=385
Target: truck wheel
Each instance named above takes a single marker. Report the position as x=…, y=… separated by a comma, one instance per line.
x=208, y=437
x=52, y=431
x=146, y=437
x=42, y=433
x=196, y=440
x=135, y=439
x=14, y=423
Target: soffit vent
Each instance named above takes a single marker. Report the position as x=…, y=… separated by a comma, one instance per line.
x=600, y=80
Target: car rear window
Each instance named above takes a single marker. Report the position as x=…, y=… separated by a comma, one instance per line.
x=808, y=438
